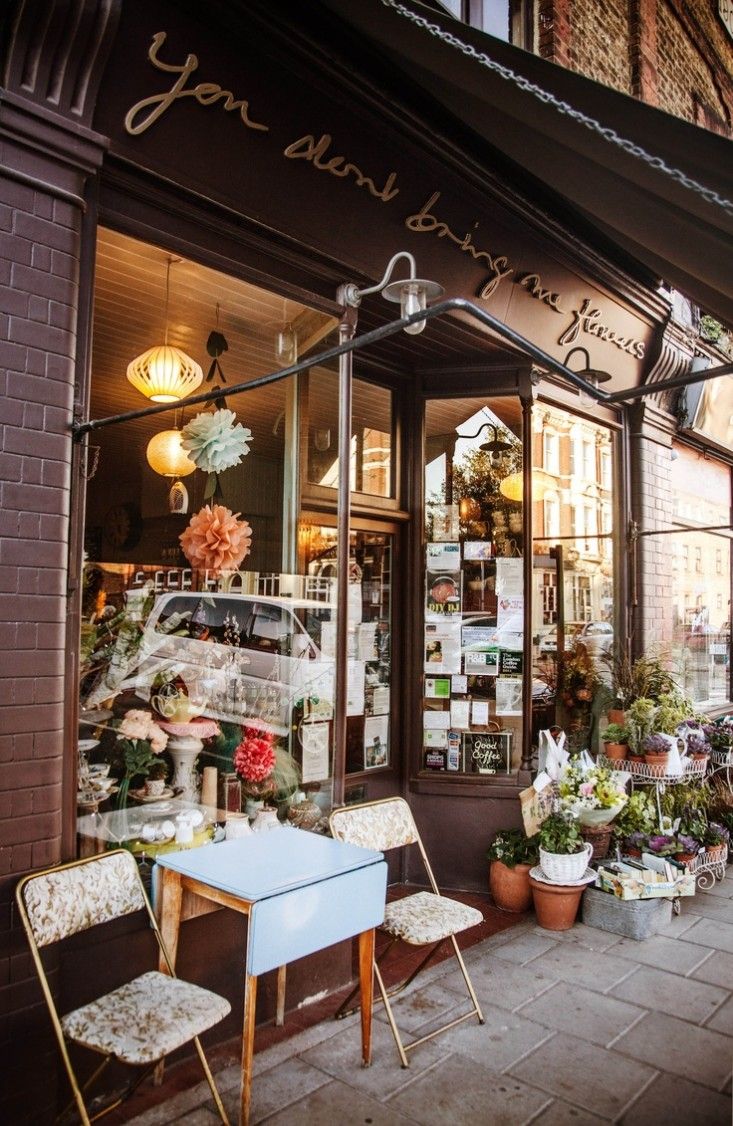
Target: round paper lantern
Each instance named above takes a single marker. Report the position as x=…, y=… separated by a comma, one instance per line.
x=166, y=455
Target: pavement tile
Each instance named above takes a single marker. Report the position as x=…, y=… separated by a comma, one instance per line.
x=710, y=932
x=180, y=1104
x=676, y=1046
x=722, y=1020
x=584, y=1074
x=592, y=937
x=200, y=1117
x=713, y=907
x=723, y=888
x=670, y=1098
x=678, y=924
x=677, y=955
x=463, y=1091
x=422, y=1007
x=570, y=961
x=500, y=983
x=500, y=1042
x=717, y=969
x=338, y=1103
x=340, y=1057
x=523, y=948
x=581, y=1012
x=559, y=1113
x=682, y=997
x=278, y=1088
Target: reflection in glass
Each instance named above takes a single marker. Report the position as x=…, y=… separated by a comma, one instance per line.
x=371, y=441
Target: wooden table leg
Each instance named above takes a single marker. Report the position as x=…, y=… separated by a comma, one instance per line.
x=171, y=896
x=280, y=1006
x=366, y=986
x=248, y=1042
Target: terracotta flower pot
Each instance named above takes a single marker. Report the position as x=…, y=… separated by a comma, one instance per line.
x=714, y=852
x=635, y=758
x=685, y=857
x=616, y=750
x=509, y=887
x=556, y=905
x=616, y=715
x=657, y=759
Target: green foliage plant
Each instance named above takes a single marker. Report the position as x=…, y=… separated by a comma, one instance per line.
x=616, y=733
x=560, y=833
x=639, y=815
x=512, y=847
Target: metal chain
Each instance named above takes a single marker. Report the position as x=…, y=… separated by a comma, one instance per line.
x=610, y=135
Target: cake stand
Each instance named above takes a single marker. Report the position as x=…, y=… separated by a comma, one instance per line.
x=185, y=743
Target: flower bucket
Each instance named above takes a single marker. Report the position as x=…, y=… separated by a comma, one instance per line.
x=599, y=838
x=565, y=867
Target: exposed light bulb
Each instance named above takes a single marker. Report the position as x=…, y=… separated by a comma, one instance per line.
x=413, y=299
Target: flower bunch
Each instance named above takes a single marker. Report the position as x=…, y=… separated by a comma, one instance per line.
x=140, y=740
x=716, y=834
x=590, y=789
x=579, y=679
x=213, y=441
x=254, y=761
x=720, y=734
x=215, y=539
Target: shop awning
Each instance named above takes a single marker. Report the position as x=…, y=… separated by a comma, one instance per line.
x=672, y=211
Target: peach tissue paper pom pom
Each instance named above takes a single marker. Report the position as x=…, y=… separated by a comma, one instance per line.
x=215, y=539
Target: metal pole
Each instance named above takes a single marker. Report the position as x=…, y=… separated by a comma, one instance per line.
x=347, y=328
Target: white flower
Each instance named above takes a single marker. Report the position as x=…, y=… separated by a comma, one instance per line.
x=213, y=441
x=135, y=724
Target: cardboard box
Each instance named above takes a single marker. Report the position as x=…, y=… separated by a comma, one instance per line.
x=644, y=885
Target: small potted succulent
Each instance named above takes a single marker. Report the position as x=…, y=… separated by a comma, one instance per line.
x=512, y=853
x=616, y=741
x=716, y=840
x=656, y=751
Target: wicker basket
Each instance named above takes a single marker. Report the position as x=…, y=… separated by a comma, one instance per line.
x=563, y=868
x=599, y=837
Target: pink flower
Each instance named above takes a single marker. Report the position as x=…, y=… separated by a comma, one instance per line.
x=586, y=789
x=215, y=539
x=135, y=724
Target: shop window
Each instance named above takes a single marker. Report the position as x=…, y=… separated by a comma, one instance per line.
x=473, y=618
x=693, y=632
x=511, y=20
x=371, y=468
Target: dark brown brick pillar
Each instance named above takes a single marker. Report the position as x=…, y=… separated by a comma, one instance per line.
x=47, y=157
x=555, y=32
x=643, y=50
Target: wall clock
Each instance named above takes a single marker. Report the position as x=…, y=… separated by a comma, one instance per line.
x=123, y=525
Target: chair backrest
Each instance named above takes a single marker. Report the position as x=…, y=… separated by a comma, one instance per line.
x=63, y=901
x=381, y=825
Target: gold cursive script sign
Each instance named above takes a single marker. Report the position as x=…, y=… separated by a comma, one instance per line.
x=423, y=222
x=586, y=319
x=308, y=148
x=205, y=93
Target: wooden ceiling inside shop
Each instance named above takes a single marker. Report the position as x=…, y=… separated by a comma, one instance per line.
x=130, y=317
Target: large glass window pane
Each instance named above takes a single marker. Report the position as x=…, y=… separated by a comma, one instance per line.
x=473, y=587
x=371, y=441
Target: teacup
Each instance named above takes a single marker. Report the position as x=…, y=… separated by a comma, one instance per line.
x=154, y=787
x=99, y=769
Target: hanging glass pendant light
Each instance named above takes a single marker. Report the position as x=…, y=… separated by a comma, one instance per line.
x=165, y=373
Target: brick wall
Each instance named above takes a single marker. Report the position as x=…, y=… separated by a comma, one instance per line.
x=696, y=63
x=600, y=42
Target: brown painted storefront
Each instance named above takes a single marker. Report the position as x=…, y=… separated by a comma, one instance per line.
x=246, y=141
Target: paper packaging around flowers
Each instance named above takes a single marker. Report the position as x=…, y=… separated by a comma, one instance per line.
x=215, y=539
x=213, y=441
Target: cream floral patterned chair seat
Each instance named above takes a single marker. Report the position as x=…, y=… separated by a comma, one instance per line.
x=144, y=1019
x=425, y=918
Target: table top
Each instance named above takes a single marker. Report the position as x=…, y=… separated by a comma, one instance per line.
x=263, y=865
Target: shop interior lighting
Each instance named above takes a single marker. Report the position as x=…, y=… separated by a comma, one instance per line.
x=166, y=456
x=412, y=293
x=592, y=375
x=495, y=448
x=164, y=373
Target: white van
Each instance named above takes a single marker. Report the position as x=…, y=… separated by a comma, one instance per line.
x=245, y=657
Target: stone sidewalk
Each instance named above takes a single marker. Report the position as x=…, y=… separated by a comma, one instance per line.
x=582, y=1027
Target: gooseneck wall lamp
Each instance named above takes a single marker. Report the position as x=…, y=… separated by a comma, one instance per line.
x=412, y=293
x=594, y=376
x=495, y=447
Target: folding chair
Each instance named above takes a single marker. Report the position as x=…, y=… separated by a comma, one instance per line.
x=422, y=919
x=143, y=1020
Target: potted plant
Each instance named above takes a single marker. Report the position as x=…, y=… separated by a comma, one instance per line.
x=639, y=724
x=155, y=782
x=512, y=854
x=696, y=743
x=615, y=741
x=557, y=895
x=687, y=848
x=663, y=844
x=716, y=840
x=632, y=826
x=656, y=751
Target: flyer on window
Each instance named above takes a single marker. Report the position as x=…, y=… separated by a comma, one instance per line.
x=511, y=662
x=443, y=557
x=460, y=714
x=509, y=695
x=442, y=647
x=443, y=596
x=437, y=687
x=314, y=741
x=355, y=688
x=435, y=739
x=376, y=732
x=478, y=549
x=445, y=521
x=509, y=577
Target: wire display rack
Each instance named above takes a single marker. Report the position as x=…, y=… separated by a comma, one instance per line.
x=645, y=775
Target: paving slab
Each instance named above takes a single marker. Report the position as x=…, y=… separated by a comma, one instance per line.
x=664, y=992
x=713, y=907
x=710, y=932
x=500, y=983
x=581, y=1012
x=570, y=961
x=717, y=969
x=280, y=1087
x=584, y=1074
x=433, y=1005
x=559, y=1113
x=200, y=1117
x=676, y=1046
x=340, y=1058
x=503, y=1040
x=678, y=924
x=463, y=1091
x=722, y=1019
x=524, y=947
x=670, y=1098
x=592, y=937
x=677, y=955
x=338, y=1103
